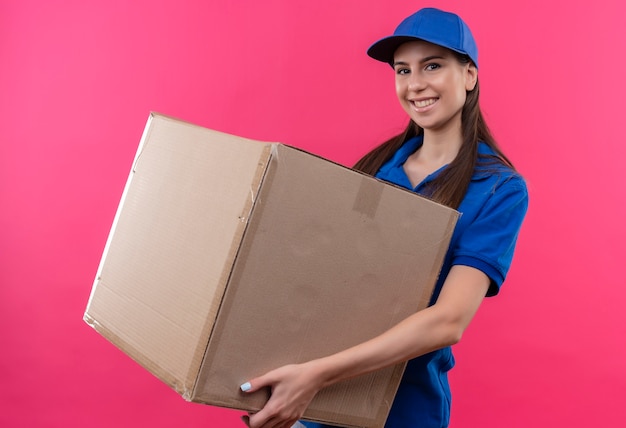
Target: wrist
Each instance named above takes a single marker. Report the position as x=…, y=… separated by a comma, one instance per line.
x=322, y=372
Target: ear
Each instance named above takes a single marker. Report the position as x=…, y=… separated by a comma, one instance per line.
x=471, y=77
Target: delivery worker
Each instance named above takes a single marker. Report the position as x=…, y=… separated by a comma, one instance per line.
x=448, y=154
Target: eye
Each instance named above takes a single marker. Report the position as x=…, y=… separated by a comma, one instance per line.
x=432, y=66
x=402, y=71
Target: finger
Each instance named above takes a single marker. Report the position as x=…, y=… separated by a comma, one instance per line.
x=277, y=423
x=255, y=384
x=246, y=387
x=271, y=422
x=256, y=421
x=265, y=419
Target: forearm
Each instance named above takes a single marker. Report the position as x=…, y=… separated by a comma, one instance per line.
x=430, y=329
x=417, y=335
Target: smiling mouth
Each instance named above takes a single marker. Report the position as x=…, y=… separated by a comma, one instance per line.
x=424, y=103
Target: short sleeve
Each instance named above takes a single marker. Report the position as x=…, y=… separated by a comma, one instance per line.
x=489, y=240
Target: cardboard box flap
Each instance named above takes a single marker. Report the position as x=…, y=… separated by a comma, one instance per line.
x=169, y=253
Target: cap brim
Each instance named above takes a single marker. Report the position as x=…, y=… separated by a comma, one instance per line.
x=384, y=49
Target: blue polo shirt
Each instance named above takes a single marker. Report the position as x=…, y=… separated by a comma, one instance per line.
x=492, y=212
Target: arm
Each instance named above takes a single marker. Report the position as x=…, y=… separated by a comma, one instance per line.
x=294, y=386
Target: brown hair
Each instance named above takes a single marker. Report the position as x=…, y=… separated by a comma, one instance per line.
x=450, y=186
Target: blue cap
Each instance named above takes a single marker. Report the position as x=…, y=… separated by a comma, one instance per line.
x=432, y=25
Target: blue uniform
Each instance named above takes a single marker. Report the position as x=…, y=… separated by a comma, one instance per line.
x=484, y=238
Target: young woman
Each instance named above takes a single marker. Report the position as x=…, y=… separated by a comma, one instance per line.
x=448, y=154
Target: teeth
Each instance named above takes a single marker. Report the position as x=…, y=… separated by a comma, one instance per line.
x=424, y=103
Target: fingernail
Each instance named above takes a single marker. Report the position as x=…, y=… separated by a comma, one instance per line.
x=246, y=387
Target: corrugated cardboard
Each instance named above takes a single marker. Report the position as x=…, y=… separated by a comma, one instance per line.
x=229, y=257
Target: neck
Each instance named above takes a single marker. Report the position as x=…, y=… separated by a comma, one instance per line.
x=441, y=147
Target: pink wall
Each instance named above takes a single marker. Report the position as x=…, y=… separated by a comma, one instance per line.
x=78, y=79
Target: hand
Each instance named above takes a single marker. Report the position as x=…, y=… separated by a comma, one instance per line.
x=292, y=389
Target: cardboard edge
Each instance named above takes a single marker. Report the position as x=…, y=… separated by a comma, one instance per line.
x=234, y=253
x=144, y=138
x=262, y=396
x=141, y=359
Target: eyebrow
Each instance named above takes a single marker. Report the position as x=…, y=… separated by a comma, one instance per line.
x=423, y=60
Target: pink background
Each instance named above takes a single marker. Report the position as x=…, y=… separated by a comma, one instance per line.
x=79, y=78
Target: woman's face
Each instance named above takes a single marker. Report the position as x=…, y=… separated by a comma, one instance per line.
x=432, y=85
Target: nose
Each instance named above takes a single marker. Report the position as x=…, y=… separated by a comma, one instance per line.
x=416, y=82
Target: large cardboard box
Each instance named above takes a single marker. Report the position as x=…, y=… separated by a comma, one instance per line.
x=230, y=257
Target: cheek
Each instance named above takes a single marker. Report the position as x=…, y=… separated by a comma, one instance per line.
x=399, y=89
x=460, y=95
x=401, y=93
x=401, y=96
